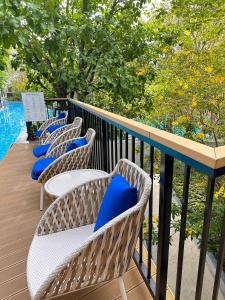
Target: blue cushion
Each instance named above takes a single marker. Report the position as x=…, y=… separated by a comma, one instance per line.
x=119, y=197
x=38, y=133
x=41, y=150
x=54, y=127
x=61, y=115
x=76, y=144
x=40, y=166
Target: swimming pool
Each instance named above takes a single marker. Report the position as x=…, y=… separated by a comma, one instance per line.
x=12, y=123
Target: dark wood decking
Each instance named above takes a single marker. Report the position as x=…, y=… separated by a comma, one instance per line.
x=19, y=215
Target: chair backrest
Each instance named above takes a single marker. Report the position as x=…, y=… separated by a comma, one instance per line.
x=117, y=239
x=72, y=133
x=49, y=122
x=77, y=123
x=82, y=155
x=72, y=160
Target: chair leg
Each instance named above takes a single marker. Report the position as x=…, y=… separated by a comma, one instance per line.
x=42, y=197
x=122, y=289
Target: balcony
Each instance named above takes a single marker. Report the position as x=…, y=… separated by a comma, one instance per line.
x=148, y=276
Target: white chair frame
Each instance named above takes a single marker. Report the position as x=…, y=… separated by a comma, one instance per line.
x=105, y=255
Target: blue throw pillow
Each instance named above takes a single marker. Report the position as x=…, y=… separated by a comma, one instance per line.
x=38, y=133
x=54, y=127
x=119, y=197
x=61, y=115
x=40, y=166
x=76, y=144
x=41, y=150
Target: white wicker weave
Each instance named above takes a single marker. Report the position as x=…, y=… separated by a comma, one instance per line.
x=76, y=159
x=65, y=133
x=50, y=122
x=49, y=139
x=66, y=255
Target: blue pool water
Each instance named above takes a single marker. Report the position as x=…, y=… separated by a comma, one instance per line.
x=12, y=123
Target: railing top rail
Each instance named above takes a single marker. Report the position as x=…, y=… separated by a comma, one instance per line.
x=205, y=158
x=56, y=99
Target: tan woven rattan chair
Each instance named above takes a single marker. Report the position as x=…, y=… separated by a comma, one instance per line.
x=76, y=159
x=49, y=139
x=66, y=255
x=52, y=121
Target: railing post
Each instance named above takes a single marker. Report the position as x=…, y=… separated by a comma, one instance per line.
x=71, y=111
x=104, y=146
x=165, y=200
x=29, y=133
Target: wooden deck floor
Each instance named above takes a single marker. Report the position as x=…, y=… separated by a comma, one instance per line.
x=19, y=214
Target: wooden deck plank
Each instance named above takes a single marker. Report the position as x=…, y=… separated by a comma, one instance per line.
x=19, y=215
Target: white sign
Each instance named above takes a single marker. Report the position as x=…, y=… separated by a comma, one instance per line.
x=34, y=106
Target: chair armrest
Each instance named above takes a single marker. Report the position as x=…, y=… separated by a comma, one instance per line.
x=51, y=122
x=58, y=150
x=76, y=208
x=47, y=123
x=68, y=135
x=72, y=160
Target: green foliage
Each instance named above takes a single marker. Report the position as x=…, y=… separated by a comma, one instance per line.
x=188, y=90
x=87, y=52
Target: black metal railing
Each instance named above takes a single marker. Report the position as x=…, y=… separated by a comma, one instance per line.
x=113, y=141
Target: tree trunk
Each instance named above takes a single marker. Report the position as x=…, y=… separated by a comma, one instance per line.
x=60, y=88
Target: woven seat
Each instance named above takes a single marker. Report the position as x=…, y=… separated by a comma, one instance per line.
x=87, y=257
x=49, y=248
x=42, y=132
x=60, y=135
x=76, y=159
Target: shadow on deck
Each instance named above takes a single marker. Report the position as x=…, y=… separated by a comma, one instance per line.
x=19, y=215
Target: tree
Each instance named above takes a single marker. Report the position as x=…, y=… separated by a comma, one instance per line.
x=81, y=47
x=188, y=90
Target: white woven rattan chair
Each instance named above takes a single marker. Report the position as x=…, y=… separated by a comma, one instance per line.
x=66, y=255
x=49, y=139
x=75, y=159
x=52, y=121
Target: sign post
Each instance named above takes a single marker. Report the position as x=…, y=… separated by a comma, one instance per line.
x=34, y=109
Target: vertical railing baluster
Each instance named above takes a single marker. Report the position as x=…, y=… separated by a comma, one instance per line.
x=108, y=150
x=83, y=127
x=220, y=261
x=104, y=146
x=150, y=208
x=85, y=123
x=127, y=145
x=116, y=148
x=96, y=142
x=133, y=149
x=141, y=230
x=205, y=236
x=121, y=143
x=112, y=149
x=187, y=172
x=165, y=200
x=99, y=142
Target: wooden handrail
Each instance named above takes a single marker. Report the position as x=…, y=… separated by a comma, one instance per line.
x=213, y=158
x=56, y=99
